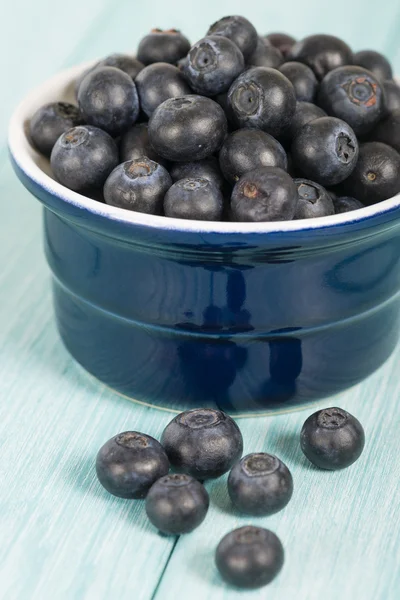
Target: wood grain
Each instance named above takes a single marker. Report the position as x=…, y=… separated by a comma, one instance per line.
x=61, y=535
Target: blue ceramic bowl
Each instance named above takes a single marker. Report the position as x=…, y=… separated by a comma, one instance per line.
x=184, y=313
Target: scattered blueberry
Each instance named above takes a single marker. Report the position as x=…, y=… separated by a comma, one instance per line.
x=158, y=82
x=239, y=30
x=163, y=46
x=208, y=168
x=314, y=200
x=247, y=149
x=374, y=62
x=332, y=439
x=302, y=79
x=138, y=185
x=135, y=144
x=345, y=204
x=392, y=96
x=264, y=194
x=50, y=121
x=265, y=55
x=355, y=95
x=212, y=65
x=304, y=113
x=282, y=41
x=249, y=557
x=83, y=157
x=388, y=131
x=129, y=463
x=262, y=98
x=108, y=99
x=188, y=128
x=377, y=174
x=203, y=442
x=177, y=504
x=260, y=484
x=194, y=198
x=325, y=150
x=322, y=53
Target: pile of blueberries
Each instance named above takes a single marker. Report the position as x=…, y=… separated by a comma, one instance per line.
x=203, y=444
x=237, y=127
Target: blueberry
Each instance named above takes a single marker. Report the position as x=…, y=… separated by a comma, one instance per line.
x=129, y=463
x=282, y=41
x=83, y=158
x=345, y=204
x=325, y=150
x=388, y=131
x=158, y=82
x=138, y=185
x=392, y=96
x=247, y=149
x=304, y=113
x=303, y=80
x=260, y=484
x=50, y=121
x=249, y=557
x=322, y=53
x=207, y=168
x=377, y=174
x=265, y=55
x=135, y=144
x=188, y=128
x=108, y=99
x=203, y=442
x=262, y=98
x=239, y=30
x=374, y=62
x=129, y=64
x=212, y=65
x=163, y=46
x=314, y=200
x=177, y=503
x=265, y=194
x=354, y=95
x=332, y=439
x=194, y=198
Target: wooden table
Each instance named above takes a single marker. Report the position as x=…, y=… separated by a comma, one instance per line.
x=62, y=536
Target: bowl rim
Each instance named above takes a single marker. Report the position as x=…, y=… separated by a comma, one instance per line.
x=21, y=152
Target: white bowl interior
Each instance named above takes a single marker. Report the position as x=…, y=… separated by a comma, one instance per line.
x=61, y=87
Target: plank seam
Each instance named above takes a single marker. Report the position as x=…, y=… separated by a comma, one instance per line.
x=153, y=597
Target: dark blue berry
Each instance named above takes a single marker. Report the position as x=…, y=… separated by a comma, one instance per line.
x=203, y=442
x=322, y=53
x=135, y=144
x=332, y=439
x=49, y=122
x=129, y=463
x=265, y=194
x=194, y=198
x=83, y=157
x=392, y=96
x=138, y=185
x=325, y=150
x=249, y=557
x=129, y=64
x=302, y=79
x=177, y=503
x=247, y=149
x=212, y=65
x=388, y=131
x=207, y=168
x=188, y=128
x=304, y=113
x=163, y=46
x=344, y=204
x=239, y=30
x=314, y=200
x=355, y=95
x=108, y=99
x=374, y=62
x=260, y=484
x=262, y=98
x=265, y=55
x=377, y=174
x=282, y=41
x=158, y=82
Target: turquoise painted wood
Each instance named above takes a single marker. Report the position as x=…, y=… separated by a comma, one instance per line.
x=61, y=535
